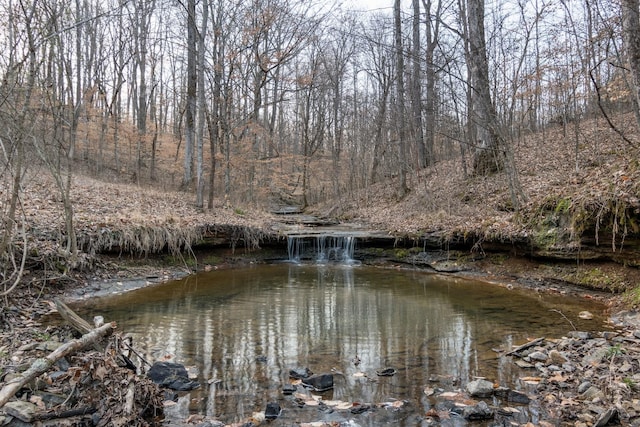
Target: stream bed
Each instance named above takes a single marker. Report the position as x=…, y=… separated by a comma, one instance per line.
x=241, y=331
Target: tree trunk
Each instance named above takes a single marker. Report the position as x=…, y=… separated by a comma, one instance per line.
x=201, y=108
x=432, y=37
x=631, y=36
x=422, y=159
x=192, y=78
x=400, y=107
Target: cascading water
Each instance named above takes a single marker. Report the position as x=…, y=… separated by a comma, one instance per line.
x=322, y=248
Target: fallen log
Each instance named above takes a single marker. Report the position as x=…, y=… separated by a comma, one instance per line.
x=78, y=323
x=40, y=366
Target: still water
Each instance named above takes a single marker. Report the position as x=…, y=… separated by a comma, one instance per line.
x=244, y=329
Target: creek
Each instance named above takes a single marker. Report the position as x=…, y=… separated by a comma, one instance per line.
x=242, y=331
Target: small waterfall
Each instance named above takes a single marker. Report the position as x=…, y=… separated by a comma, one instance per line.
x=321, y=248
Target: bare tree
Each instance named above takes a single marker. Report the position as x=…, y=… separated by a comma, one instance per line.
x=192, y=79
x=631, y=36
x=202, y=34
x=400, y=100
x=417, y=131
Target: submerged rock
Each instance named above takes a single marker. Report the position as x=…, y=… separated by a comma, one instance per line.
x=479, y=411
x=171, y=375
x=300, y=373
x=320, y=382
x=386, y=372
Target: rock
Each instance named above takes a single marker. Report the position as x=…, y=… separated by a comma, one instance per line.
x=580, y=335
x=557, y=357
x=585, y=315
x=300, y=373
x=594, y=357
x=479, y=411
x=320, y=382
x=607, y=416
x=273, y=411
x=523, y=364
x=480, y=388
x=171, y=375
x=502, y=392
x=24, y=411
x=180, y=384
x=538, y=355
x=518, y=397
x=289, y=389
x=359, y=409
x=386, y=372
x=591, y=393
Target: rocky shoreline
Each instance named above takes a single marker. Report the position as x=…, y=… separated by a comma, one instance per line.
x=581, y=380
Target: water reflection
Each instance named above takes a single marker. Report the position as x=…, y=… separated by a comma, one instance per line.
x=244, y=329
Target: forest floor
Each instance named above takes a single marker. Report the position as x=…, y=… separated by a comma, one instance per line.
x=591, y=177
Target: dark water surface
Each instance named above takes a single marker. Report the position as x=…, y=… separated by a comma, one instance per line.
x=244, y=329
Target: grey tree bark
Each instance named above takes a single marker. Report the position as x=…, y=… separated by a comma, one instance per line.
x=422, y=158
x=400, y=101
x=192, y=78
x=201, y=106
x=631, y=37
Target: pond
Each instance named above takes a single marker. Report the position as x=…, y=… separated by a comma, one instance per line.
x=243, y=330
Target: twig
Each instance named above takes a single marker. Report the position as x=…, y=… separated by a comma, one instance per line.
x=64, y=414
x=568, y=320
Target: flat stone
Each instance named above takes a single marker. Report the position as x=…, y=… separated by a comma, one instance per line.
x=581, y=335
x=583, y=387
x=523, y=364
x=320, y=382
x=607, y=416
x=518, y=397
x=591, y=394
x=24, y=411
x=480, y=388
x=538, y=355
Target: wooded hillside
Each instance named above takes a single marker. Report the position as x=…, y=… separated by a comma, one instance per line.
x=502, y=122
